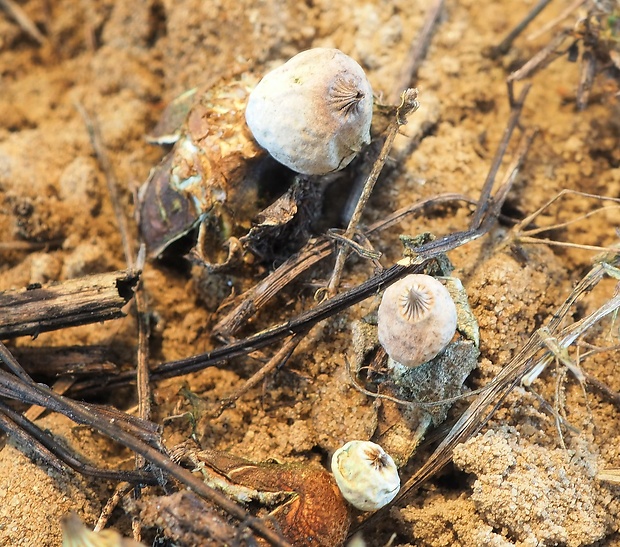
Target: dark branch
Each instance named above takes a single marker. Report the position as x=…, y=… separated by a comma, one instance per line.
x=81, y=301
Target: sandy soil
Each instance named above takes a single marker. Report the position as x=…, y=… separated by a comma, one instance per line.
x=514, y=484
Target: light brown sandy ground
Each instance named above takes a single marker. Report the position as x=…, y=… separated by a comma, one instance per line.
x=123, y=61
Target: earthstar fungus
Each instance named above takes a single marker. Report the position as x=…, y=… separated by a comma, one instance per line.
x=313, y=113
x=366, y=475
x=416, y=319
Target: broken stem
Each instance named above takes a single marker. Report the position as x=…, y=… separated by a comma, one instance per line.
x=54, y=306
x=408, y=105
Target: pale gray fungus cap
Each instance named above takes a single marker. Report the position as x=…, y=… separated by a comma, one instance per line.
x=313, y=113
x=417, y=319
x=365, y=474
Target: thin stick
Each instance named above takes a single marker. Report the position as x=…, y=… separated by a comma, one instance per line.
x=541, y=59
x=50, y=450
x=417, y=52
x=604, y=389
x=277, y=360
x=506, y=43
x=143, y=387
x=587, y=74
x=144, y=391
x=413, y=60
x=265, y=290
x=61, y=386
x=14, y=366
x=22, y=19
x=566, y=244
x=570, y=9
x=497, y=160
x=142, y=376
x=54, y=361
x=121, y=489
x=408, y=105
x=561, y=420
x=112, y=183
x=10, y=246
x=395, y=217
x=579, y=218
x=520, y=227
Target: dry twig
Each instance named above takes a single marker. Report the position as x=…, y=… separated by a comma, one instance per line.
x=504, y=46
x=276, y=361
x=521, y=234
x=29, y=392
x=22, y=19
x=408, y=105
x=81, y=301
x=418, y=49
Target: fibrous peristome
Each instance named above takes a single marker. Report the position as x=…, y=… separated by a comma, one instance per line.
x=416, y=320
